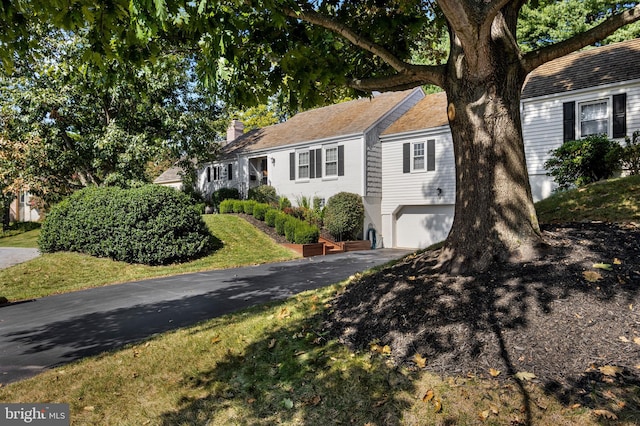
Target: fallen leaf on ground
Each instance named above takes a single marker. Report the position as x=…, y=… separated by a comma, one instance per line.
x=89, y=408
x=592, y=276
x=605, y=266
x=525, y=376
x=483, y=415
x=216, y=339
x=437, y=405
x=636, y=340
x=624, y=339
x=617, y=261
x=428, y=396
x=606, y=414
x=610, y=370
x=288, y=403
x=384, y=350
x=284, y=313
x=272, y=343
x=420, y=360
x=494, y=372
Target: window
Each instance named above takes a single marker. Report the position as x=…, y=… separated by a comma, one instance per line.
x=230, y=171
x=419, y=156
x=303, y=165
x=331, y=162
x=594, y=118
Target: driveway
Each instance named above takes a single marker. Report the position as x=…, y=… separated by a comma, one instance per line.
x=10, y=256
x=51, y=331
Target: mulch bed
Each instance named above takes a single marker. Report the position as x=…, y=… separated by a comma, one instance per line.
x=271, y=232
x=559, y=317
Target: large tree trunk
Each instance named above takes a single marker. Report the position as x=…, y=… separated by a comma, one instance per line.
x=495, y=219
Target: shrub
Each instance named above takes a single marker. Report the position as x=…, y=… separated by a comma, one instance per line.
x=631, y=154
x=259, y=210
x=270, y=217
x=281, y=219
x=290, y=228
x=248, y=206
x=579, y=162
x=306, y=233
x=344, y=216
x=238, y=206
x=227, y=194
x=153, y=225
x=283, y=203
x=263, y=194
x=226, y=206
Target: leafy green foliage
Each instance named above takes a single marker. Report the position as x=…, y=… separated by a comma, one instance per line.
x=247, y=206
x=344, y=216
x=270, y=217
x=152, y=225
x=281, y=219
x=259, y=210
x=226, y=206
x=631, y=154
x=579, y=162
x=306, y=233
x=263, y=194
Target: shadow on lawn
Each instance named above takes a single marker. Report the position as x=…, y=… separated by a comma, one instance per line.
x=572, y=325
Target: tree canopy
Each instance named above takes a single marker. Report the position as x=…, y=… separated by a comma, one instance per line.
x=307, y=52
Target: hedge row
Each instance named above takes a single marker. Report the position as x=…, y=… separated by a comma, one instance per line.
x=294, y=230
x=152, y=225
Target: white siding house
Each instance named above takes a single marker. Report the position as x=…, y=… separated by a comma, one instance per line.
x=316, y=153
x=592, y=91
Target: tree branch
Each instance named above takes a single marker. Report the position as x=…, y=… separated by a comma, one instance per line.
x=320, y=20
x=538, y=57
x=423, y=74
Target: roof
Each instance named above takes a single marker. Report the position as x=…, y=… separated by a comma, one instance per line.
x=430, y=112
x=593, y=67
x=341, y=119
x=173, y=174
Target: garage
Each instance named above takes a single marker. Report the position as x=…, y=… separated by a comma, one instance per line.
x=422, y=226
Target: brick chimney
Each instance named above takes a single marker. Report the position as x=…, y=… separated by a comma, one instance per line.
x=235, y=130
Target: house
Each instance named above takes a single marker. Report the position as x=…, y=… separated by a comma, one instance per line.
x=316, y=153
x=22, y=209
x=172, y=177
x=589, y=92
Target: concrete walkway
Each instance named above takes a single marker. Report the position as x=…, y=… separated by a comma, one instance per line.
x=10, y=256
x=39, y=334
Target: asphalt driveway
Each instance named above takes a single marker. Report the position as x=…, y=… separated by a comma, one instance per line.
x=43, y=333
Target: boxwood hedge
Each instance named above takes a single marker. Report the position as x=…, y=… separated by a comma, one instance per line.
x=151, y=224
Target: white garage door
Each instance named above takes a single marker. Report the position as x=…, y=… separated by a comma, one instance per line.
x=422, y=226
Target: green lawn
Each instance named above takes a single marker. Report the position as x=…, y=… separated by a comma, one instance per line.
x=61, y=272
x=273, y=364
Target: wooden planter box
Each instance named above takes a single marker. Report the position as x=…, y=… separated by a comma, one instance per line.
x=356, y=245
x=307, y=250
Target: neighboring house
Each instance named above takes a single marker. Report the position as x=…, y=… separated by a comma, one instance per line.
x=22, y=210
x=589, y=92
x=316, y=153
x=172, y=177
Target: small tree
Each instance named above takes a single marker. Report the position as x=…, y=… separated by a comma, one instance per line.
x=631, y=154
x=344, y=216
x=580, y=162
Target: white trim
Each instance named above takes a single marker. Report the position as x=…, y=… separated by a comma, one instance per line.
x=604, y=88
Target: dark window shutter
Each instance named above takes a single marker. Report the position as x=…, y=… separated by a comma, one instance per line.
x=208, y=174
x=620, y=115
x=431, y=155
x=312, y=164
x=292, y=166
x=230, y=171
x=568, y=121
x=340, y=160
x=406, y=157
x=318, y=163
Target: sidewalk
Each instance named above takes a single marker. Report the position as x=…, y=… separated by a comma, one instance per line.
x=10, y=256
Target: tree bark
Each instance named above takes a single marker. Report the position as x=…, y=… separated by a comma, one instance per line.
x=495, y=219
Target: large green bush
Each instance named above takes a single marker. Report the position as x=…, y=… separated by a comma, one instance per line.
x=153, y=225
x=580, y=162
x=306, y=233
x=344, y=216
x=631, y=154
x=259, y=210
x=281, y=219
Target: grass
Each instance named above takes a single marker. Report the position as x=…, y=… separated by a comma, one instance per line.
x=21, y=234
x=62, y=272
x=613, y=200
x=273, y=365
